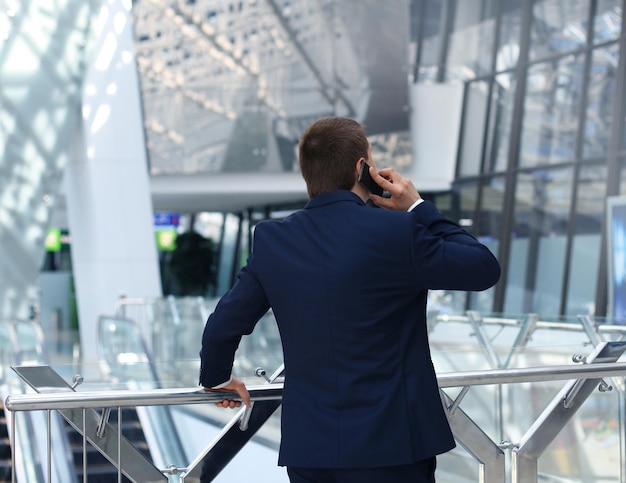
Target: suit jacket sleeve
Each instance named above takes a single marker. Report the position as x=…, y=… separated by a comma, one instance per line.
x=446, y=256
x=236, y=314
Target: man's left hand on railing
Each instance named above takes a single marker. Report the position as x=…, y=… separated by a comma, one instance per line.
x=235, y=385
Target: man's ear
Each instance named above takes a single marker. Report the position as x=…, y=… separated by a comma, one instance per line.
x=358, y=164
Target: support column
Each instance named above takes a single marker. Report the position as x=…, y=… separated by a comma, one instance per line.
x=107, y=182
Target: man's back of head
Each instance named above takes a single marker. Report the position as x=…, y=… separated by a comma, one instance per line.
x=328, y=151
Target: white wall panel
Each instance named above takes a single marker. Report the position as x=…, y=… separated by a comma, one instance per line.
x=107, y=184
x=435, y=122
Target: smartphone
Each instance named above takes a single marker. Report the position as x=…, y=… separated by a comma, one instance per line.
x=366, y=180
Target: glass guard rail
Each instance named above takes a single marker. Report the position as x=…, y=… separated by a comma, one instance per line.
x=582, y=323
x=21, y=342
x=582, y=380
x=173, y=326
x=125, y=357
x=458, y=342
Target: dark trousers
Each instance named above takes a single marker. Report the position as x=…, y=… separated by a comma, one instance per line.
x=421, y=472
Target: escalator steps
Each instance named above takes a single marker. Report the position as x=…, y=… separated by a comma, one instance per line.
x=6, y=472
x=99, y=469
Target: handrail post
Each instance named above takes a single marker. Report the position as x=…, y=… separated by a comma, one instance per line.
x=229, y=442
x=490, y=457
x=476, y=321
x=102, y=424
x=557, y=414
x=529, y=324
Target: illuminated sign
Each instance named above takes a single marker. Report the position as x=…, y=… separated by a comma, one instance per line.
x=53, y=240
x=166, y=219
x=166, y=239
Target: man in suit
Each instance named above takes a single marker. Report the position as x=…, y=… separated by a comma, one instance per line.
x=348, y=287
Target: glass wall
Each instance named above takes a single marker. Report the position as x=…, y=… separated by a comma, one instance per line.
x=542, y=100
x=586, y=240
x=44, y=48
x=487, y=228
x=558, y=27
x=599, y=106
x=471, y=40
x=229, y=86
x=549, y=122
x=510, y=32
x=501, y=117
x=430, y=29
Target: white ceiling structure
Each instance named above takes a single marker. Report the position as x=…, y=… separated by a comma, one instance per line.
x=228, y=86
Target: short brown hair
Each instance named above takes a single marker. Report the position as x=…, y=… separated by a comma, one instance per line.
x=328, y=151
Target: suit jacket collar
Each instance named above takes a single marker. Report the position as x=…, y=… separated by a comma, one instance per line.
x=333, y=197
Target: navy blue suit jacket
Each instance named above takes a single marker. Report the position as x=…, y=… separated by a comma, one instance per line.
x=348, y=286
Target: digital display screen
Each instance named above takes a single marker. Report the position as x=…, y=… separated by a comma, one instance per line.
x=616, y=238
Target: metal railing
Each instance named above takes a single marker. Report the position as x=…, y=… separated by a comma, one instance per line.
x=499, y=342
x=582, y=380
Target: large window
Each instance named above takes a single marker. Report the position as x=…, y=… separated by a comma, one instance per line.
x=585, y=252
x=608, y=20
x=550, y=122
x=487, y=230
x=542, y=92
x=539, y=240
x=472, y=40
x=510, y=34
x=44, y=50
x=600, y=97
x=500, y=120
x=558, y=26
x=491, y=214
x=431, y=41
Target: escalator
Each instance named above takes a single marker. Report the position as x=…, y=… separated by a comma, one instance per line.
x=125, y=358
x=99, y=469
x=21, y=346
x=150, y=437
x=5, y=447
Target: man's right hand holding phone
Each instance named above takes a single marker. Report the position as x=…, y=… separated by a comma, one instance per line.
x=403, y=192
